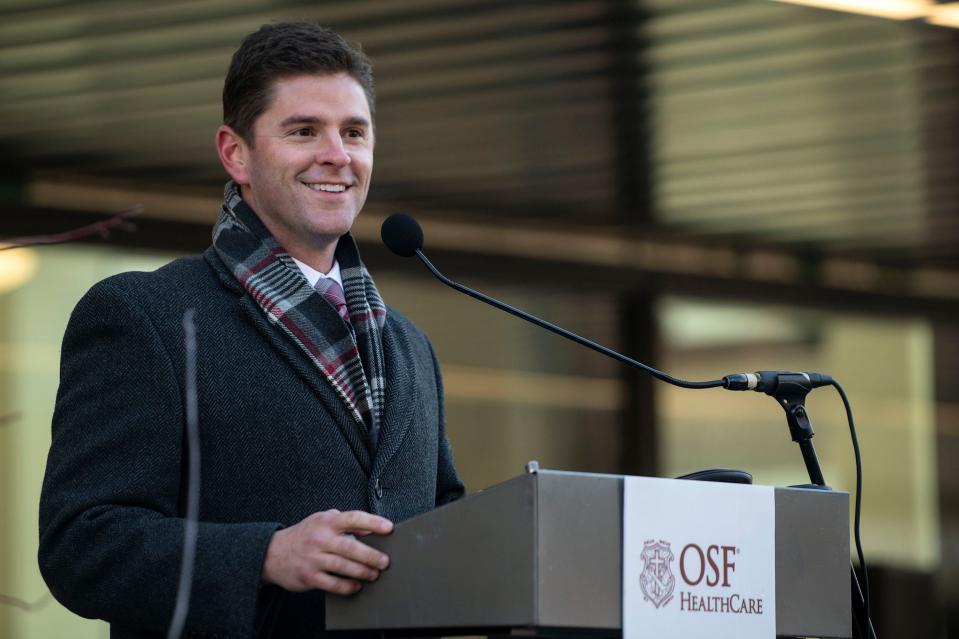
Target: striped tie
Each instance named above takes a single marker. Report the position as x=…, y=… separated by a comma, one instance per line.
x=332, y=292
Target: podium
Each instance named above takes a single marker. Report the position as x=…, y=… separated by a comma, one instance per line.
x=541, y=555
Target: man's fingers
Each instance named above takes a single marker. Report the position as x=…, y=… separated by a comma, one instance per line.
x=339, y=565
x=358, y=521
x=348, y=547
x=334, y=584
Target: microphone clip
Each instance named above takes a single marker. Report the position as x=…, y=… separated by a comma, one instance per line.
x=790, y=390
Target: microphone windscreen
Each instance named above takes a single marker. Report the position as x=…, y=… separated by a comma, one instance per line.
x=402, y=234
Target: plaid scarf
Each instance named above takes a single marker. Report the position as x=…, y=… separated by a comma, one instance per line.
x=351, y=360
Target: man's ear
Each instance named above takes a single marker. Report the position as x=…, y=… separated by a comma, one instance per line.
x=234, y=154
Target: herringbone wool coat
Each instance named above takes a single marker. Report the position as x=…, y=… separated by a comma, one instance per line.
x=277, y=445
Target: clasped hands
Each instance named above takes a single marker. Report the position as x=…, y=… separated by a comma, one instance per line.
x=322, y=553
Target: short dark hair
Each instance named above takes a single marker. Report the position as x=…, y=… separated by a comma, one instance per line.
x=284, y=49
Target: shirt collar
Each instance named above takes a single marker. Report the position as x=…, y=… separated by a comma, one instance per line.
x=312, y=275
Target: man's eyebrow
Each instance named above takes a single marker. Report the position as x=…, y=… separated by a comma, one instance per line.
x=312, y=119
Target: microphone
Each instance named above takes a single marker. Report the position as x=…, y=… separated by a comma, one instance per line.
x=402, y=234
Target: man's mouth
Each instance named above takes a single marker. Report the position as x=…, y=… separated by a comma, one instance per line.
x=327, y=187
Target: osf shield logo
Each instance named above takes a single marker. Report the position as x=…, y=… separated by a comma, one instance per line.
x=657, y=580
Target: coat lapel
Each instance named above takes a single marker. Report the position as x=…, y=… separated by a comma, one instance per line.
x=402, y=391
x=335, y=406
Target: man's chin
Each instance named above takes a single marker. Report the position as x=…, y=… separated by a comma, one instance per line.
x=332, y=232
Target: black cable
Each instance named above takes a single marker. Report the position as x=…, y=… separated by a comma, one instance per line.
x=669, y=379
x=193, y=481
x=858, y=508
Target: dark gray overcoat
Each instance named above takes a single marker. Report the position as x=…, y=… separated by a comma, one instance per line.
x=277, y=444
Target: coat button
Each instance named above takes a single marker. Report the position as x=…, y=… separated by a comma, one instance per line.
x=378, y=489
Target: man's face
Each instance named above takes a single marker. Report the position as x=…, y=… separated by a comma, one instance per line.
x=308, y=172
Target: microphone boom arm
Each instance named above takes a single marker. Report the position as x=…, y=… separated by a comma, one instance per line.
x=716, y=383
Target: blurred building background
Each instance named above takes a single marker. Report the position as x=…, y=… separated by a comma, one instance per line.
x=711, y=186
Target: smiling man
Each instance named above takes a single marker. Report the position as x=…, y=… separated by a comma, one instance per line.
x=305, y=164
x=320, y=408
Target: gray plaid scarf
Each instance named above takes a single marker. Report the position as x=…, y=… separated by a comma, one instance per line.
x=353, y=364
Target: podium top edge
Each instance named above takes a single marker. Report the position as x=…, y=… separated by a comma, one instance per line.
x=575, y=473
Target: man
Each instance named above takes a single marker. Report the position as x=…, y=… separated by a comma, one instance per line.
x=320, y=412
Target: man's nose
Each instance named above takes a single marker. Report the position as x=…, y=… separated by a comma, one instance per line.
x=332, y=151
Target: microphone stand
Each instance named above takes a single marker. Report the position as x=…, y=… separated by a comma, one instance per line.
x=790, y=393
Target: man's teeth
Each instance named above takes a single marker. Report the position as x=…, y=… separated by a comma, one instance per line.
x=332, y=188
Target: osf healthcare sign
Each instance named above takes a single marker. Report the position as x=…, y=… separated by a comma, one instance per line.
x=698, y=560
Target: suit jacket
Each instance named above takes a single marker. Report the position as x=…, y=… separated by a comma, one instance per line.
x=277, y=444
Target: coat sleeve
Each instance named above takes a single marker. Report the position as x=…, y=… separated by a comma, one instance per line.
x=110, y=536
x=448, y=485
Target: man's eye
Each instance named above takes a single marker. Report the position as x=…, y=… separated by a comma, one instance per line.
x=355, y=133
x=304, y=132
